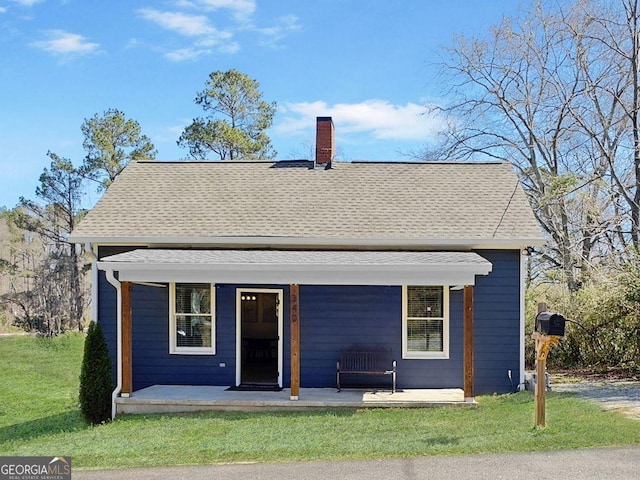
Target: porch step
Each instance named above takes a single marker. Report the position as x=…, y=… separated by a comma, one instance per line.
x=174, y=398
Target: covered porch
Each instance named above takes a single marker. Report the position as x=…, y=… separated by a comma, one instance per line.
x=457, y=270
x=185, y=398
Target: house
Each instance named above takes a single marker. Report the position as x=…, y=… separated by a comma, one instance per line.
x=232, y=273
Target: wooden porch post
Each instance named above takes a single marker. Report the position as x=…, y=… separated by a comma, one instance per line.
x=468, y=343
x=294, y=318
x=127, y=370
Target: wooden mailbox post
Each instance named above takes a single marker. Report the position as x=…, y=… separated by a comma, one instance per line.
x=543, y=345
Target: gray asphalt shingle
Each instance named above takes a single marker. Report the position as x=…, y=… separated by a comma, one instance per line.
x=152, y=201
x=276, y=257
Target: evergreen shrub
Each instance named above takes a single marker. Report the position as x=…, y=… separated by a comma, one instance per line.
x=95, y=378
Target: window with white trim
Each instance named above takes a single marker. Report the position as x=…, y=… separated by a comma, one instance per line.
x=191, y=319
x=425, y=321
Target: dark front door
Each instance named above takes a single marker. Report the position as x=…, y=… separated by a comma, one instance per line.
x=259, y=333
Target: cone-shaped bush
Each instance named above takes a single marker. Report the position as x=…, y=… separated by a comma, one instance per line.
x=95, y=377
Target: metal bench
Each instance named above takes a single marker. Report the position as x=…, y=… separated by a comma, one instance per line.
x=366, y=362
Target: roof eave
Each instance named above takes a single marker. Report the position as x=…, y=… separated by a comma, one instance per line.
x=153, y=266
x=311, y=242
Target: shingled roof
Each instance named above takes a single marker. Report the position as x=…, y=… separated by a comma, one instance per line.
x=292, y=203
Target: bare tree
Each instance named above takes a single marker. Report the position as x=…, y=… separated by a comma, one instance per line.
x=555, y=93
x=55, y=298
x=618, y=39
x=47, y=292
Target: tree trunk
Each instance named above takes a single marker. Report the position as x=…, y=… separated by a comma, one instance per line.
x=632, y=16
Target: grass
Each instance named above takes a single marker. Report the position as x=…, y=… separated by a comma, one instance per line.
x=39, y=416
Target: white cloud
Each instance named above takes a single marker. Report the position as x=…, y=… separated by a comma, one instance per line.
x=289, y=22
x=198, y=27
x=229, y=47
x=182, y=54
x=27, y=3
x=283, y=25
x=378, y=118
x=63, y=43
x=3, y=10
x=176, y=130
x=208, y=39
x=132, y=43
x=241, y=9
x=168, y=133
x=187, y=25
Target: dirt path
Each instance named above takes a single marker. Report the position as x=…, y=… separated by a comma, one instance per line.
x=622, y=395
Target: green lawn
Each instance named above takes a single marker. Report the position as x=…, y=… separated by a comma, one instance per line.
x=39, y=416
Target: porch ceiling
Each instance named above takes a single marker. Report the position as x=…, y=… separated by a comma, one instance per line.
x=298, y=267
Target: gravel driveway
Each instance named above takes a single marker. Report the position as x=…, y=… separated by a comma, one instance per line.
x=621, y=395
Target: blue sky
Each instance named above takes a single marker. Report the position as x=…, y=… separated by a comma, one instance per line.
x=366, y=63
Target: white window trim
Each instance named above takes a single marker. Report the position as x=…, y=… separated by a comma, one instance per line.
x=173, y=347
x=406, y=354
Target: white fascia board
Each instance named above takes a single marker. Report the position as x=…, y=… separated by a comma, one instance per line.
x=300, y=274
x=240, y=242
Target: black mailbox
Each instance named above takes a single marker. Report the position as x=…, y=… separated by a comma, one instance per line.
x=549, y=323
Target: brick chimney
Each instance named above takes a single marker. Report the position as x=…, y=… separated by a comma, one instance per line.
x=325, y=141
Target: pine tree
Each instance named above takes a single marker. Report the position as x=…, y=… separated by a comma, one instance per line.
x=236, y=120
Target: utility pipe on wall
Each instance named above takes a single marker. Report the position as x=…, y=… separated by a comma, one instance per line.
x=92, y=251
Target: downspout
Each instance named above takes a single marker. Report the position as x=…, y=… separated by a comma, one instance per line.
x=116, y=284
x=92, y=251
x=523, y=261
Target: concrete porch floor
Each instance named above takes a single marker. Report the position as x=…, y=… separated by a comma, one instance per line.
x=185, y=398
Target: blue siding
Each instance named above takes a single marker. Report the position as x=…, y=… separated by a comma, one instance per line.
x=496, y=333
x=152, y=363
x=332, y=318
x=336, y=317
x=107, y=318
x=107, y=307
